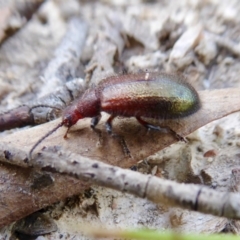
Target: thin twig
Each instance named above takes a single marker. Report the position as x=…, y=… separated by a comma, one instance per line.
x=66, y=58
x=44, y=109
x=186, y=196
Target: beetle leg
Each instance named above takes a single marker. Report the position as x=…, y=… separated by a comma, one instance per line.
x=148, y=125
x=109, y=124
x=120, y=138
x=65, y=135
x=94, y=123
x=158, y=128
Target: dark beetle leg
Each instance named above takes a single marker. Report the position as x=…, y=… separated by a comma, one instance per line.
x=120, y=138
x=158, y=128
x=148, y=125
x=94, y=123
x=109, y=125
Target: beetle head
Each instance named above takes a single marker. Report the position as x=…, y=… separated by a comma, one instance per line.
x=70, y=116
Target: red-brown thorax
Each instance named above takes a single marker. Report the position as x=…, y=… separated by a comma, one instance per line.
x=71, y=116
x=87, y=106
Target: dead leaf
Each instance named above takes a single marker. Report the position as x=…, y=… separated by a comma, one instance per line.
x=82, y=140
x=141, y=143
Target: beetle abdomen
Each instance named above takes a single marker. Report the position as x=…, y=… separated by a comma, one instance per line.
x=154, y=95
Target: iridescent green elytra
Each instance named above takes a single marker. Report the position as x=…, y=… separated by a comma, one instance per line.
x=154, y=95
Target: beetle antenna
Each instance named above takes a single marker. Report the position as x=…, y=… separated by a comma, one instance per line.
x=42, y=138
x=43, y=105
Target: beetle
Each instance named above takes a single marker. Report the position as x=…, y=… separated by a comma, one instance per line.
x=149, y=94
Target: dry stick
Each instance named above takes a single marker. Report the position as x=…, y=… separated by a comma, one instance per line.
x=101, y=64
x=33, y=113
x=187, y=196
x=16, y=12
x=66, y=58
x=62, y=67
x=18, y=117
x=225, y=42
x=60, y=98
x=56, y=92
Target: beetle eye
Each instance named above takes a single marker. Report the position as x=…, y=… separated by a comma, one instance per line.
x=67, y=121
